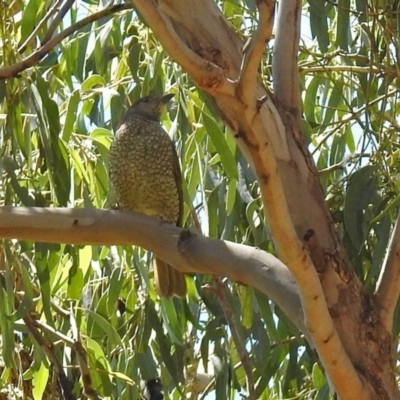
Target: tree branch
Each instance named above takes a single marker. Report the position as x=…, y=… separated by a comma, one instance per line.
x=186, y=251
x=388, y=286
x=34, y=58
x=206, y=75
x=39, y=26
x=48, y=348
x=330, y=349
x=285, y=68
x=253, y=53
x=57, y=20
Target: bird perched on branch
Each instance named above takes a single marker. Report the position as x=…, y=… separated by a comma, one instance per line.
x=146, y=177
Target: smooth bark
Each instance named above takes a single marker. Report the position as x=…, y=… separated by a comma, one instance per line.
x=187, y=251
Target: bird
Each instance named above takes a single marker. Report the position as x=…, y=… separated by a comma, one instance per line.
x=146, y=177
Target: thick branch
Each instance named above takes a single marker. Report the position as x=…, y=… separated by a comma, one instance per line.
x=253, y=53
x=330, y=349
x=206, y=75
x=284, y=63
x=37, y=55
x=388, y=286
x=186, y=251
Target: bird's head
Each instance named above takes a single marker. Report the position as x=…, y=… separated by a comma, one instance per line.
x=150, y=106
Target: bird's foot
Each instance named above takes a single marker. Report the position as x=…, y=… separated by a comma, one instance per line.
x=115, y=207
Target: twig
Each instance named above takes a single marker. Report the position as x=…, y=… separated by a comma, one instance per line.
x=81, y=355
x=49, y=329
x=47, y=347
x=388, y=286
x=219, y=291
x=253, y=53
x=340, y=165
x=34, y=58
x=348, y=68
x=57, y=20
x=196, y=221
x=49, y=13
x=335, y=167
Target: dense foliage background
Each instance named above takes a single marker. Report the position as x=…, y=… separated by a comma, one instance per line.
x=57, y=119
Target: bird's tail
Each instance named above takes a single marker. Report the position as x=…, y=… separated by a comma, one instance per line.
x=168, y=280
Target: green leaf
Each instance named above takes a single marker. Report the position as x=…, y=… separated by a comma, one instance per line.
x=27, y=300
x=30, y=17
x=221, y=145
x=75, y=284
x=55, y=150
x=252, y=211
x=319, y=24
x=362, y=192
x=213, y=206
x=99, y=368
x=318, y=377
x=311, y=101
x=72, y=108
x=45, y=262
x=343, y=31
x=50, y=106
x=116, y=281
x=268, y=317
x=22, y=192
x=7, y=328
x=146, y=364
x=246, y=304
x=134, y=59
x=163, y=344
x=335, y=98
x=231, y=196
x=40, y=379
x=393, y=205
x=93, y=82
x=111, y=334
x=172, y=321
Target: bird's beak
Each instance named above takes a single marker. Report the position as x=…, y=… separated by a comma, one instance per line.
x=166, y=98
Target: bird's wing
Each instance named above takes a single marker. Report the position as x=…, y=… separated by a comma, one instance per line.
x=178, y=180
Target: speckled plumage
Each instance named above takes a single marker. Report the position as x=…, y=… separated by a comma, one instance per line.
x=145, y=175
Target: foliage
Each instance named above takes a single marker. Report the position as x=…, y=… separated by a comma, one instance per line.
x=56, y=121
